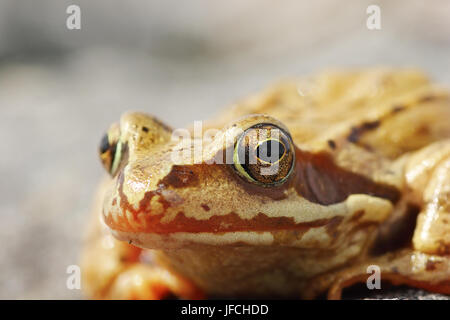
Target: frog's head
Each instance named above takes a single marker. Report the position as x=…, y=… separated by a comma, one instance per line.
x=247, y=183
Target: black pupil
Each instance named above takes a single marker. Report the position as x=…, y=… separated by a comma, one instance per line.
x=104, y=144
x=270, y=151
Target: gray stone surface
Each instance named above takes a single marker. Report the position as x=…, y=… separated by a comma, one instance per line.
x=406, y=294
x=60, y=89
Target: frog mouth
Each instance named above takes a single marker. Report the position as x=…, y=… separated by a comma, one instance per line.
x=120, y=215
x=215, y=224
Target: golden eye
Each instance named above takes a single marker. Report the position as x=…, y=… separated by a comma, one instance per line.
x=111, y=150
x=264, y=154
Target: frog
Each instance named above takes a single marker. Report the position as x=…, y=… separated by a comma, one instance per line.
x=293, y=192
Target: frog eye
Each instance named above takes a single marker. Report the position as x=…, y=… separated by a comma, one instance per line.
x=111, y=150
x=264, y=154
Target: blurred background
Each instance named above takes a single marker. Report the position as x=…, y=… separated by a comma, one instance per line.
x=179, y=60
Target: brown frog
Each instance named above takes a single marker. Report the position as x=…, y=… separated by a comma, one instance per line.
x=299, y=191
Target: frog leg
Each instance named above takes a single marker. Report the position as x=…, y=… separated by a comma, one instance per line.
x=112, y=269
x=405, y=267
x=426, y=262
x=402, y=267
x=432, y=234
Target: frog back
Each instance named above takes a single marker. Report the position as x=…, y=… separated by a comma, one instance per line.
x=382, y=111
